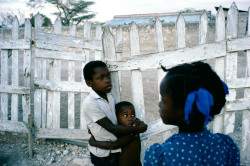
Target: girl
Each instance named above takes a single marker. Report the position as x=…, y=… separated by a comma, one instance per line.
x=191, y=95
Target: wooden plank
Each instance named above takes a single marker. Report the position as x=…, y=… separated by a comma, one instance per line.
x=161, y=74
x=98, y=36
x=14, y=89
x=57, y=77
x=203, y=28
x=108, y=42
x=159, y=36
x=232, y=21
x=15, y=71
x=220, y=25
x=118, y=44
x=70, y=41
x=180, y=32
x=50, y=98
x=46, y=46
x=245, y=154
x=171, y=58
x=156, y=127
x=238, y=104
x=27, y=71
x=30, y=135
x=38, y=22
x=134, y=40
x=239, y=44
x=13, y=126
x=83, y=124
x=229, y=122
x=15, y=44
x=62, y=133
x=4, y=82
x=59, y=55
x=44, y=95
x=239, y=82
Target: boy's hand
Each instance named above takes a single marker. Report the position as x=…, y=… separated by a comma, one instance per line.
x=92, y=140
x=143, y=127
x=137, y=122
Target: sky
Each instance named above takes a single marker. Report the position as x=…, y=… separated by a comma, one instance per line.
x=106, y=9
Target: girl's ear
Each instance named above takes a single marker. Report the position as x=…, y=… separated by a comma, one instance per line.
x=89, y=83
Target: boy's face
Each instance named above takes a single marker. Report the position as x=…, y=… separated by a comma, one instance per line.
x=126, y=116
x=101, y=81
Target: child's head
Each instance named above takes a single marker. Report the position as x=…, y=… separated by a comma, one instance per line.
x=97, y=76
x=190, y=82
x=125, y=113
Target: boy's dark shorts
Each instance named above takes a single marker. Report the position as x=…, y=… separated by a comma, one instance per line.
x=111, y=160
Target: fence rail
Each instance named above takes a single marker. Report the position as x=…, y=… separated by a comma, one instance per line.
x=50, y=54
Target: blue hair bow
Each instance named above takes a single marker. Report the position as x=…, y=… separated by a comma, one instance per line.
x=204, y=100
x=225, y=87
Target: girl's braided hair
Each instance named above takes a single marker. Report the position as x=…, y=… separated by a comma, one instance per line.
x=185, y=78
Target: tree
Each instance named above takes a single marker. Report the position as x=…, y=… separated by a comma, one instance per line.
x=70, y=11
x=189, y=10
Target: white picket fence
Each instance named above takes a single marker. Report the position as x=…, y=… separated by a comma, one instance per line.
x=53, y=49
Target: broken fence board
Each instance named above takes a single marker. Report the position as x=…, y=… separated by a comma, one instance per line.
x=14, y=89
x=15, y=44
x=238, y=44
x=13, y=126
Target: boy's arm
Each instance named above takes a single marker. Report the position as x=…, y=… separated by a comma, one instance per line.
x=120, y=129
x=111, y=145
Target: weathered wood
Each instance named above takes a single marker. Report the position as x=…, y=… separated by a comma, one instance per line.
x=71, y=97
x=109, y=45
x=15, y=71
x=70, y=41
x=220, y=25
x=171, y=58
x=38, y=22
x=14, y=89
x=229, y=122
x=118, y=43
x=98, y=36
x=161, y=74
x=13, y=126
x=4, y=81
x=238, y=104
x=44, y=95
x=15, y=44
x=239, y=44
x=180, y=32
x=116, y=85
x=203, y=28
x=159, y=36
x=59, y=55
x=134, y=40
x=27, y=71
x=57, y=77
x=239, y=82
x=30, y=135
x=62, y=133
x=232, y=21
x=245, y=136
x=86, y=35
x=46, y=46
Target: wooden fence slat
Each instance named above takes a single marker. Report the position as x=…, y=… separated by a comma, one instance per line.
x=27, y=71
x=180, y=32
x=159, y=36
x=38, y=75
x=220, y=25
x=15, y=44
x=134, y=40
x=238, y=104
x=203, y=28
x=98, y=54
x=14, y=89
x=71, y=78
x=239, y=44
x=44, y=95
x=118, y=44
x=15, y=71
x=13, y=126
x=4, y=81
x=231, y=64
x=50, y=97
x=57, y=77
x=180, y=56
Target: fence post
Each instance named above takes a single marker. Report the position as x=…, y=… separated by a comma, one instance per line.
x=246, y=113
x=4, y=81
x=98, y=36
x=27, y=71
x=37, y=75
x=180, y=32
x=203, y=28
x=15, y=71
x=118, y=43
x=71, y=78
x=220, y=66
x=231, y=65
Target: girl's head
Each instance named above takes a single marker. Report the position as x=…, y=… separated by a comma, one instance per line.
x=125, y=113
x=182, y=80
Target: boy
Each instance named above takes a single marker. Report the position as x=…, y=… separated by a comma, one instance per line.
x=130, y=155
x=99, y=113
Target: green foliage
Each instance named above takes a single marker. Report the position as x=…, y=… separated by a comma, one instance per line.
x=71, y=11
x=46, y=21
x=190, y=10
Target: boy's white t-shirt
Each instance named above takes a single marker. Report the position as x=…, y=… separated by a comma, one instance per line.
x=94, y=109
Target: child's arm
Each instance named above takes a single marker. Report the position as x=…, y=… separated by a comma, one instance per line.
x=111, y=145
x=121, y=130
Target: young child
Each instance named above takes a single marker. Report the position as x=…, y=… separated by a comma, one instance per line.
x=191, y=95
x=130, y=155
x=99, y=113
